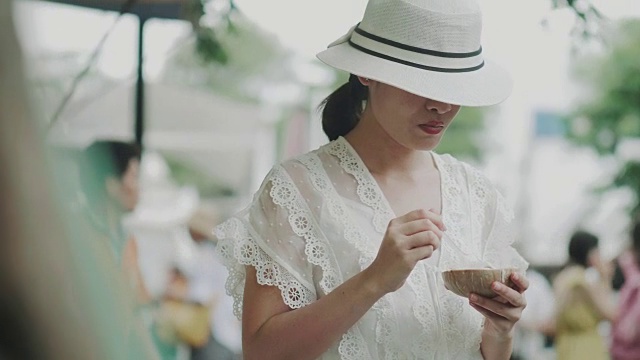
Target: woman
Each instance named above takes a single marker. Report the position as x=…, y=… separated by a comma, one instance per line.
x=110, y=180
x=584, y=299
x=625, y=343
x=338, y=256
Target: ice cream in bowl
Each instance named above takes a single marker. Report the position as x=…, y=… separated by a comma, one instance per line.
x=476, y=280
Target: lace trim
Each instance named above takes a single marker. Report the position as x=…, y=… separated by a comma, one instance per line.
x=457, y=216
x=237, y=248
x=498, y=249
x=368, y=191
x=237, y=243
x=351, y=344
x=385, y=329
x=370, y=194
x=352, y=347
x=285, y=194
x=453, y=215
x=424, y=310
x=481, y=194
x=352, y=234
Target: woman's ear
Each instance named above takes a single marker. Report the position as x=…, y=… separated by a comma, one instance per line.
x=364, y=81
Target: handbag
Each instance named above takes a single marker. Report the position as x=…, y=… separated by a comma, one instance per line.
x=185, y=322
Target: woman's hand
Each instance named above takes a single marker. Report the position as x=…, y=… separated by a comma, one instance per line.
x=408, y=239
x=503, y=311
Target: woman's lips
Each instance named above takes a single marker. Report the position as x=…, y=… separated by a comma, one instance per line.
x=432, y=128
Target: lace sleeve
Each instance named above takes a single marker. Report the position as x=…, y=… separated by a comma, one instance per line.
x=261, y=236
x=499, y=234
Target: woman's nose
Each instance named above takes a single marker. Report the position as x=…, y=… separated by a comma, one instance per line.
x=438, y=106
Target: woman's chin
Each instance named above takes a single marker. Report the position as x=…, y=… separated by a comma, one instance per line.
x=429, y=144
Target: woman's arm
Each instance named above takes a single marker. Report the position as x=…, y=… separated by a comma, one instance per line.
x=495, y=346
x=271, y=330
x=601, y=295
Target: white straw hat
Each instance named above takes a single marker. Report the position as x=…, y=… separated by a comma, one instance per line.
x=427, y=47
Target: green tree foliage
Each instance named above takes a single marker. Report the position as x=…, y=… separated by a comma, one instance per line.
x=244, y=74
x=462, y=138
x=610, y=113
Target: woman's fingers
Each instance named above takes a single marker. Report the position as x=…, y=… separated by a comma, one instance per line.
x=436, y=218
x=422, y=252
x=423, y=238
x=410, y=216
x=496, y=308
x=508, y=304
x=488, y=314
x=512, y=296
x=521, y=282
x=416, y=226
x=419, y=214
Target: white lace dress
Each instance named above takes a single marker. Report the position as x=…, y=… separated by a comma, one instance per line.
x=319, y=219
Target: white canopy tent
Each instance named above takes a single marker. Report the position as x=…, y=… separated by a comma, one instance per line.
x=232, y=141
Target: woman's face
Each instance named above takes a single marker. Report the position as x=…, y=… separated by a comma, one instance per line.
x=593, y=258
x=415, y=122
x=125, y=191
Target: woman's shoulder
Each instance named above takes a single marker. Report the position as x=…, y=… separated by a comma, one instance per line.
x=298, y=165
x=570, y=277
x=292, y=171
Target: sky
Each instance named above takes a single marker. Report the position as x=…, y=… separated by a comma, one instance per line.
x=537, y=57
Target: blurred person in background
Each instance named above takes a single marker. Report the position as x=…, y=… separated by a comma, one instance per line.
x=584, y=298
x=109, y=173
x=194, y=310
x=625, y=343
x=61, y=296
x=207, y=284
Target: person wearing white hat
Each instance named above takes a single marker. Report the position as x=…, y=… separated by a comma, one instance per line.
x=339, y=254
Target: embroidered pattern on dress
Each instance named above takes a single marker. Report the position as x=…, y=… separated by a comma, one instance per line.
x=235, y=243
x=303, y=224
x=352, y=344
x=480, y=195
x=367, y=192
x=352, y=347
x=352, y=234
x=424, y=311
x=359, y=240
x=457, y=216
x=453, y=215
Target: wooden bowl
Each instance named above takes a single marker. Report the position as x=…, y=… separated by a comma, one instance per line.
x=465, y=281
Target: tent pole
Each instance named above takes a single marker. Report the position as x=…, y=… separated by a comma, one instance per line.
x=139, y=109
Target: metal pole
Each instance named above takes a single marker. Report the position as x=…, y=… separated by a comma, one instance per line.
x=139, y=120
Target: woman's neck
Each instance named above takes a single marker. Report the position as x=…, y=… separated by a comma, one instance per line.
x=383, y=155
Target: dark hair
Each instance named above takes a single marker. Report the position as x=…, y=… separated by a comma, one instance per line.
x=635, y=240
x=580, y=246
x=343, y=107
x=102, y=160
